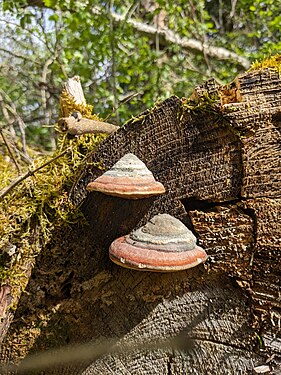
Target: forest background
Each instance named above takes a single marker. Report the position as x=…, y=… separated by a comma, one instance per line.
x=129, y=55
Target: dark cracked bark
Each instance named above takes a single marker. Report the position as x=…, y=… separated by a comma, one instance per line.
x=221, y=166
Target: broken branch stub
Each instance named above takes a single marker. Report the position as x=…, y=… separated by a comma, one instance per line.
x=74, y=92
x=73, y=87
x=85, y=126
x=72, y=122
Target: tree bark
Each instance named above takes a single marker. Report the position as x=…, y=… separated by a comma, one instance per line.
x=219, y=160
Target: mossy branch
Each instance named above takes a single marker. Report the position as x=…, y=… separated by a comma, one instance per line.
x=29, y=173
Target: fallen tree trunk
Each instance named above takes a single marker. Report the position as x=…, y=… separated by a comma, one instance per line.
x=218, y=157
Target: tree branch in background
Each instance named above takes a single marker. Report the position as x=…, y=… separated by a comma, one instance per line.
x=10, y=151
x=168, y=37
x=13, y=54
x=8, y=121
x=43, y=90
x=13, y=110
x=233, y=8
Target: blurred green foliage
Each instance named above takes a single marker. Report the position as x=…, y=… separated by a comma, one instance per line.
x=44, y=42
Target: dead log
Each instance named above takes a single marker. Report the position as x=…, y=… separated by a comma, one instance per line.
x=219, y=161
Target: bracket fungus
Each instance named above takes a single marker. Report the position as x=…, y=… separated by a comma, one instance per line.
x=129, y=178
x=164, y=244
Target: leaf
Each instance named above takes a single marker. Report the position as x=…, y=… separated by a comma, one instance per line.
x=50, y=3
x=54, y=17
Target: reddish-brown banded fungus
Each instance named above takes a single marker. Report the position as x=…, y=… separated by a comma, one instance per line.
x=164, y=244
x=129, y=178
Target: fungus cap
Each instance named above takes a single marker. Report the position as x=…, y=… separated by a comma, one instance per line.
x=164, y=244
x=128, y=178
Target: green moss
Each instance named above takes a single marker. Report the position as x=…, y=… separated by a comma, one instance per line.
x=205, y=103
x=68, y=106
x=197, y=104
x=269, y=62
x=40, y=204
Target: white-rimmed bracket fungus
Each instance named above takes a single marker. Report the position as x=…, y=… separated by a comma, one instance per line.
x=129, y=178
x=164, y=244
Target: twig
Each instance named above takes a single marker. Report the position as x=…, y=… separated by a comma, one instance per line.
x=29, y=173
x=22, y=126
x=19, y=56
x=16, y=24
x=130, y=12
x=122, y=101
x=233, y=8
x=7, y=118
x=10, y=152
x=20, y=153
x=12, y=108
